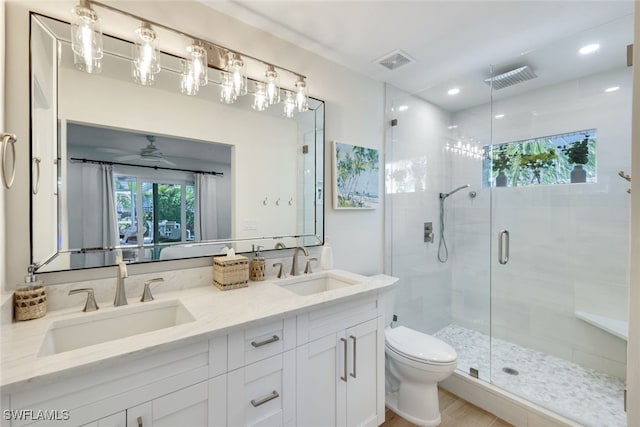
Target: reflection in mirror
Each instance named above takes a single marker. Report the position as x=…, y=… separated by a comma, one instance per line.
x=134, y=168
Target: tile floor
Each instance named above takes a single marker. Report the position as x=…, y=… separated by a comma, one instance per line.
x=584, y=395
x=455, y=412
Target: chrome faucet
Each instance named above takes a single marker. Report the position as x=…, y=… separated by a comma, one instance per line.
x=121, y=296
x=294, y=263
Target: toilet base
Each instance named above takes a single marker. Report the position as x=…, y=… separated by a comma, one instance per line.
x=391, y=402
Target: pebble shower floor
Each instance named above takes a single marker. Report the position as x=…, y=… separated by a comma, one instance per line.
x=583, y=395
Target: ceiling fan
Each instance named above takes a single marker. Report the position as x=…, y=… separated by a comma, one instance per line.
x=150, y=153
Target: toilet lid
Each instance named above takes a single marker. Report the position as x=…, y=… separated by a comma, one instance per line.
x=419, y=346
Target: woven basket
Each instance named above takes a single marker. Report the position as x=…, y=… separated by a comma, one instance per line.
x=30, y=303
x=257, y=269
x=231, y=273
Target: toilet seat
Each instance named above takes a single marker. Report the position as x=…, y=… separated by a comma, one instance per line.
x=419, y=347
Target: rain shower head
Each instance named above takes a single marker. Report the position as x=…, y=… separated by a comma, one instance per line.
x=445, y=195
x=511, y=77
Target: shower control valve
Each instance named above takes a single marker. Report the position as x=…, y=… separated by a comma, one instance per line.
x=428, y=232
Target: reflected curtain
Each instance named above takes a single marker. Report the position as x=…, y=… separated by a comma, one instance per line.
x=98, y=227
x=206, y=215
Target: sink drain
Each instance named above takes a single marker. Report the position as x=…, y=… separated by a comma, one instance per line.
x=510, y=371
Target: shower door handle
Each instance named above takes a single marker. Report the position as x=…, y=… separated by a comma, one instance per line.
x=503, y=247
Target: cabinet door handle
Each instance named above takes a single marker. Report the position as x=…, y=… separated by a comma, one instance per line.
x=355, y=345
x=344, y=342
x=139, y=421
x=257, y=402
x=8, y=139
x=36, y=184
x=265, y=342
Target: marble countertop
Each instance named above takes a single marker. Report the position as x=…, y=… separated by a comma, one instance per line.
x=216, y=313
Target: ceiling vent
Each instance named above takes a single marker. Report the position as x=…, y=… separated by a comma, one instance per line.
x=510, y=78
x=395, y=60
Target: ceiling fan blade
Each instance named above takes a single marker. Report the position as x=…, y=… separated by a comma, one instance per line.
x=129, y=157
x=112, y=150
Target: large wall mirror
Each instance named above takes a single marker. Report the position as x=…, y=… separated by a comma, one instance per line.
x=150, y=174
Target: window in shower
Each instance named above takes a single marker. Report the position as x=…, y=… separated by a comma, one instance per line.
x=566, y=158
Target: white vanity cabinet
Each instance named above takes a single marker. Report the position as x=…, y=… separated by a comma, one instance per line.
x=341, y=364
x=323, y=367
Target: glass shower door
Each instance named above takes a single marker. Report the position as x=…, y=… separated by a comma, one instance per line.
x=560, y=226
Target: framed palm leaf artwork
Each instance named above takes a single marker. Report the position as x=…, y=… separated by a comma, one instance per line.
x=356, y=183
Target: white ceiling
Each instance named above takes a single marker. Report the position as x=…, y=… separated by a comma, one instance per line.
x=453, y=42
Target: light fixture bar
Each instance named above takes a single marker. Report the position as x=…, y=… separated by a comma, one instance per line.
x=207, y=44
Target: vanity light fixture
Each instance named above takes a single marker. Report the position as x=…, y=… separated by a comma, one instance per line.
x=590, y=48
x=260, y=102
x=86, y=38
x=146, y=55
x=272, y=85
x=237, y=70
x=301, y=95
x=289, y=104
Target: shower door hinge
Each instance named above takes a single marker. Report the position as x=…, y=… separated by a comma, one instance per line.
x=474, y=373
x=394, y=122
x=629, y=55
x=625, y=400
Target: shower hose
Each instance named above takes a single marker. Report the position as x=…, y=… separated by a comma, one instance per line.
x=443, y=252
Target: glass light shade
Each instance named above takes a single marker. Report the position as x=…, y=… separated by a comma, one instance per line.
x=272, y=85
x=237, y=70
x=86, y=38
x=260, y=102
x=289, y=104
x=189, y=84
x=301, y=95
x=227, y=92
x=198, y=56
x=146, y=55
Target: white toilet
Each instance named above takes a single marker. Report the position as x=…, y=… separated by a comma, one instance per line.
x=415, y=363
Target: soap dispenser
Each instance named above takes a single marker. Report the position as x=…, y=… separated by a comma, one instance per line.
x=326, y=258
x=257, y=266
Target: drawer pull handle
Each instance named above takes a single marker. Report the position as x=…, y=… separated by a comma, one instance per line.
x=344, y=377
x=274, y=395
x=355, y=345
x=265, y=342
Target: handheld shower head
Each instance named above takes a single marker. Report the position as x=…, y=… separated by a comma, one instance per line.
x=445, y=195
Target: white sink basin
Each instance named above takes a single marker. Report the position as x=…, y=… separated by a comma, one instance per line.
x=95, y=328
x=318, y=282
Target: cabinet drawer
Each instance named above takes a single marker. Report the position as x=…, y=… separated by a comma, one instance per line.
x=320, y=323
x=260, y=342
x=263, y=394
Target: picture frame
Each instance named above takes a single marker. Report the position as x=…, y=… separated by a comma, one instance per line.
x=356, y=177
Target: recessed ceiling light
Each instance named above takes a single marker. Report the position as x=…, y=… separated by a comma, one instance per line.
x=403, y=108
x=499, y=116
x=590, y=48
x=612, y=89
x=453, y=91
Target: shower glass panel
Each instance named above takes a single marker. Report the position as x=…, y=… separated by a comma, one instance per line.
x=429, y=154
x=559, y=302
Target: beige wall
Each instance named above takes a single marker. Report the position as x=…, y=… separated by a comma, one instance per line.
x=2, y=129
x=354, y=114
x=633, y=349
